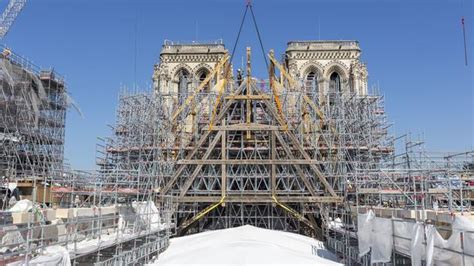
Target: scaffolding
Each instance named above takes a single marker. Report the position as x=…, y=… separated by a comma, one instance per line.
x=283, y=154
x=51, y=214
x=130, y=167
x=113, y=217
x=408, y=188
x=33, y=106
x=272, y=153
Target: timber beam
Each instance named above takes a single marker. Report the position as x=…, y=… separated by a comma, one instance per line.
x=260, y=199
x=250, y=162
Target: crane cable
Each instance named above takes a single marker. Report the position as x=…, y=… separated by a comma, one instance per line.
x=464, y=35
x=258, y=35
x=238, y=34
x=247, y=7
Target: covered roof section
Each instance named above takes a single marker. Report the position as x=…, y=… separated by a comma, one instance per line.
x=246, y=245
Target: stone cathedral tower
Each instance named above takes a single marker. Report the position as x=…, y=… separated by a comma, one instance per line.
x=182, y=65
x=328, y=66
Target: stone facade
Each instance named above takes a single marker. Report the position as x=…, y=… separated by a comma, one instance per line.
x=322, y=63
x=193, y=61
x=181, y=69
x=321, y=67
x=326, y=65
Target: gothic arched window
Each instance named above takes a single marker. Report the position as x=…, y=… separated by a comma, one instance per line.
x=202, y=75
x=335, y=82
x=183, y=83
x=311, y=83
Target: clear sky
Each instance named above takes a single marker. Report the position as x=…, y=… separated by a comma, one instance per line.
x=413, y=49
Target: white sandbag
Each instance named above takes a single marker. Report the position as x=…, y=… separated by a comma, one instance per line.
x=12, y=236
x=12, y=186
x=381, y=240
x=336, y=224
x=22, y=206
x=364, y=231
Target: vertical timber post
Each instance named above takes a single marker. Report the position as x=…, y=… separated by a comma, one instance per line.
x=223, y=165
x=248, y=89
x=273, y=172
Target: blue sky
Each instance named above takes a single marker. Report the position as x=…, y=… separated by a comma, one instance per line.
x=413, y=49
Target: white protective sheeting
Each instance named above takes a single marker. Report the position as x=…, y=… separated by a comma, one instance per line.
x=469, y=243
x=364, y=231
x=418, y=250
x=466, y=226
x=422, y=242
x=438, y=250
x=245, y=245
x=141, y=219
x=381, y=240
x=148, y=214
x=375, y=234
x=462, y=223
x=403, y=232
x=52, y=256
x=89, y=245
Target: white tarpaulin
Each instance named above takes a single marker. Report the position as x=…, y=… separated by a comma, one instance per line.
x=148, y=213
x=375, y=234
x=89, y=245
x=418, y=250
x=440, y=251
x=428, y=245
x=469, y=243
x=462, y=223
x=466, y=226
x=245, y=245
x=420, y=241
x=403, y=232
x=364, y=231
x=52, y=256
x=381, y=240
